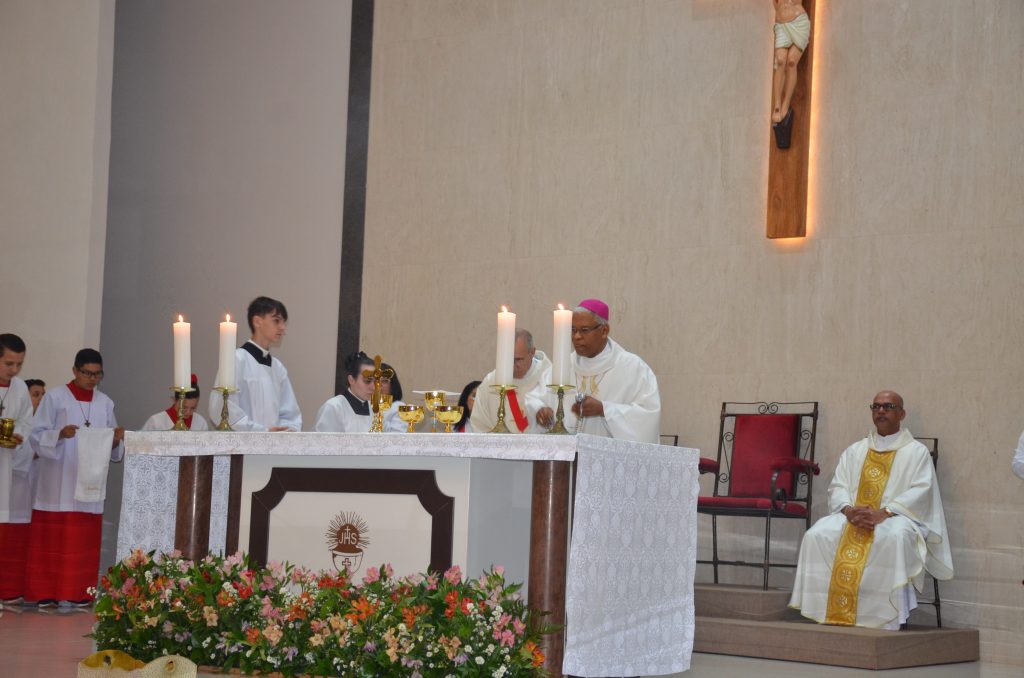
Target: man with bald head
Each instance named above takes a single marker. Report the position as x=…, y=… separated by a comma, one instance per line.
x=885, y=528
x=616, y=392
x=531, y=374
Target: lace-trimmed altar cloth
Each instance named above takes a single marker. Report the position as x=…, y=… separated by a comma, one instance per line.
x=629, y=595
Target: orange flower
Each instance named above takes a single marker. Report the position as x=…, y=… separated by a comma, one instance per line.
x=252, y=635
x=409, y=614
x=224, y=599
x=538, y=656
x=363, y=609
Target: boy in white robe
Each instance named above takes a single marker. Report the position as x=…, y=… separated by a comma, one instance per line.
x=616, y=392
x=890, y=544
x=15, y=472
x=165, y=420
x=531, y=374
x=36, y=391
x=64, y=538
x=265, y=400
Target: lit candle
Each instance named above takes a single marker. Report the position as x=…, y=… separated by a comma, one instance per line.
x=506, y=347
x=562, y=347
x=182, y=354
x=228, y=340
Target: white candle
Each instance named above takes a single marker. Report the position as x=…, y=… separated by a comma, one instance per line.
x=562, y=347
x=182, y=353
x=506, y=347
x=228, y=341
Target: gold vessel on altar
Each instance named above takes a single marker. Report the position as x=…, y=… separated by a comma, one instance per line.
x=411, y=415
x=448, y=415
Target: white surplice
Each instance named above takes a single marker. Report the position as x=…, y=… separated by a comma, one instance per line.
x=161, y=421
x=16, y=464
x=531, y=392
x=338, y=415
x=58, y=459
x=628, y=390
x=904, y=545
x=265, y=397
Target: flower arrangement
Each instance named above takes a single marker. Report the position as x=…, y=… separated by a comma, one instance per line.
x=228, y=612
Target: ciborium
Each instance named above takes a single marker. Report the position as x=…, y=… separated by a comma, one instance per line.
x=411, y=415
x=448, y=415
x=433, y=399
x=7, y=434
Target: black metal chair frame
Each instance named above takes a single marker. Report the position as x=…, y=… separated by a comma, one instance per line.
x=933, y=448
x=805, y=441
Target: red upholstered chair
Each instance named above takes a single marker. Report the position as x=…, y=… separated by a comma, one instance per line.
x=764, y=469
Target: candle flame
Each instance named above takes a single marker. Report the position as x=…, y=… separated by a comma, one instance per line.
x=504, y=309
x=227, y=317
x=180, y=319
x=561, y=308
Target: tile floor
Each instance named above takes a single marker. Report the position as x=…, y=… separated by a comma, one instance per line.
x=49, y=644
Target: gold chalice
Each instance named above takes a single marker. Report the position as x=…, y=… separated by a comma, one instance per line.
x=448, y=415
x=7, y=434
x=411, y=415
x=433, y=399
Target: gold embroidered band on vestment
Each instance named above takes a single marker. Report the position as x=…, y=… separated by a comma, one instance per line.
x=855, y=544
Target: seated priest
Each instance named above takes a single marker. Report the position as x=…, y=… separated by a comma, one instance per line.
x=885, y=529
x=531, y=374
x=616, y=392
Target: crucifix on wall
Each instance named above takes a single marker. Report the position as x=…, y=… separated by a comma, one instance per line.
x=788, y=153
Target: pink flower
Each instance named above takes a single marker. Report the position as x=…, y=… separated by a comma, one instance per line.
x=137, y=558
x=508, y=638
x=499, y=570
x=453, y=575
x=372, y=575
x=518, y=626
x=389, y=571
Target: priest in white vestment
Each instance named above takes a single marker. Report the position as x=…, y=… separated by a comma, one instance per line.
x=531, y=374
x=616, y=392
x=1018, y=457
x=265, y=400
x=884, y=530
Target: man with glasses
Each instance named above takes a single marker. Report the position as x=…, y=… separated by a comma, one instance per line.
x=885, y=528
x=75, y=436
x=531, y=374
x=616, y=392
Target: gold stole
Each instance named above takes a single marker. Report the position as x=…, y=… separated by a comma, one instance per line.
x=855, y=544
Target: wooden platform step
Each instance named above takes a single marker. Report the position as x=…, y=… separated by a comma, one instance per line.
x=835, y=645
x=746, y=621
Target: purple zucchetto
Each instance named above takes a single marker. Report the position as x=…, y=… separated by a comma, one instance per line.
x=595, y=306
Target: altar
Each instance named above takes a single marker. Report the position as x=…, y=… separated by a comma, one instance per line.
x=623, y=589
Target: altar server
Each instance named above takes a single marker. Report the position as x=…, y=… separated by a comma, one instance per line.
x=36, y=390
x=265, y=400
x=616, y=392
x=15, y=471
x=350, y=412
x=164, y=420
x=76, y=436
x=531, y=374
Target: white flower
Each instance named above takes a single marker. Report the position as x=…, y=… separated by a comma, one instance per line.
x=499, y=672
x=479, y=660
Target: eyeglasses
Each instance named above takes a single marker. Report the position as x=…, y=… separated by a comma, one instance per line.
x=584, y=331
x=90, y=374
x=883, y=406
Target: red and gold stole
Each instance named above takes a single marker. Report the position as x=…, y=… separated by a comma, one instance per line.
x=855, y=544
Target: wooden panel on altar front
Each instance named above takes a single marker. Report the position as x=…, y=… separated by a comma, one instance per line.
x=297, y=499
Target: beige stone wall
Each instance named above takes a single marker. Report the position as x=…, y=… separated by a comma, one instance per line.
x=534, y=152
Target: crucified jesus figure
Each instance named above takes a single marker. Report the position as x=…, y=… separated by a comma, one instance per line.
x=792, y=31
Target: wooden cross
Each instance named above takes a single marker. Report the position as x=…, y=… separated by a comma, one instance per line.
x=788, y=168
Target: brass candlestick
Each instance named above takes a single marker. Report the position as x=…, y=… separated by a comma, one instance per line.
x=500, y=427
x=179, y=400
x=225, y=391
x=559, y=426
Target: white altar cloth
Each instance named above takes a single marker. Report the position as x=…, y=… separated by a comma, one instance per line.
x=629, y=595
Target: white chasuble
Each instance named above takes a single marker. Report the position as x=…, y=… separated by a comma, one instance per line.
x=531, y=393
x=903, y=548
x=628, y=391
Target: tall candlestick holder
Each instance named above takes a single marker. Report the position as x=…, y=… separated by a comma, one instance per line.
x=501, y=390
x=559, y=426
x=225, y=391
x=179, y=401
